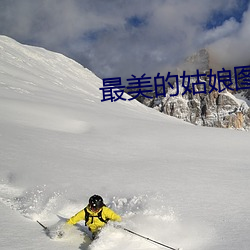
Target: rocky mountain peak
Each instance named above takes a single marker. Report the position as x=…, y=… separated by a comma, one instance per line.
x=199, y=60
x=225, y=109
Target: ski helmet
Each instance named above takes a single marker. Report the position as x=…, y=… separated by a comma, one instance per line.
x=95, y=202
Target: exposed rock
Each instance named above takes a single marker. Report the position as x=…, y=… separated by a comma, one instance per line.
x=199, y=60
x=215, y=109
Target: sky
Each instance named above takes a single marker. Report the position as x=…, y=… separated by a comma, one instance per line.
x=118, y=38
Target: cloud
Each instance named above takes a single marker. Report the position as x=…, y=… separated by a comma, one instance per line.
x=119, y=38
x=229, y=27
x=232, y=49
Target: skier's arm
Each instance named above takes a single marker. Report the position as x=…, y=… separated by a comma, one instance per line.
x=110, y=214
x=77, y=217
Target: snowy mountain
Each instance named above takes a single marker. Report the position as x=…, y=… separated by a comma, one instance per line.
x=182, y=185
x=226, y=109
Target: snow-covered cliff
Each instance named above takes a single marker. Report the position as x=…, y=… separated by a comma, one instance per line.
x=226, y=109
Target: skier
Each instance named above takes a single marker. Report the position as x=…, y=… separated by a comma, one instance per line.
x=95, y=214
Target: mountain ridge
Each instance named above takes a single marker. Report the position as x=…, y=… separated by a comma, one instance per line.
x=225, y=109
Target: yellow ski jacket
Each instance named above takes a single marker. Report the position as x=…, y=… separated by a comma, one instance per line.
x=94, y=223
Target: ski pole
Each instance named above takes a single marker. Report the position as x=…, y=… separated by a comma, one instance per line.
x=146, y=238
x=45, y=228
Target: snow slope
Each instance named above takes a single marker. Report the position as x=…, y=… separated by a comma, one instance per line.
x=176, y=183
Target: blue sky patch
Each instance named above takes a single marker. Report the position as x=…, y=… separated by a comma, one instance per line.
x=218, y=17
x=136, y=21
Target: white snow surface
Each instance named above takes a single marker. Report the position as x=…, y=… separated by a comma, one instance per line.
x=182, y=185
